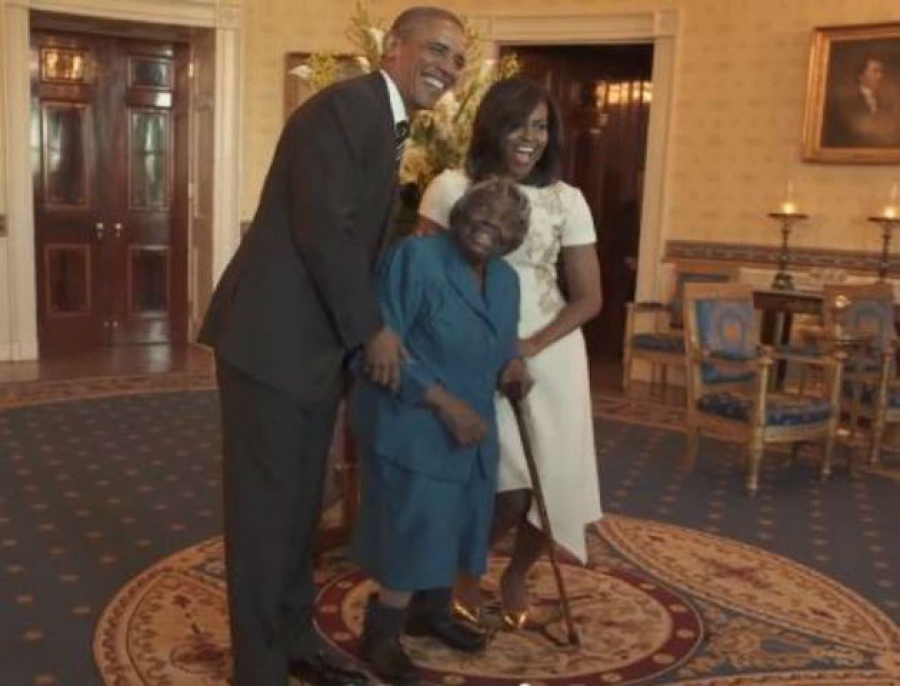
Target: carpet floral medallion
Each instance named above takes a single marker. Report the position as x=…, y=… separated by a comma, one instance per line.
x=656, y=604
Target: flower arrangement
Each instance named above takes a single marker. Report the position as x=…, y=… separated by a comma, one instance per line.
x=438, y=138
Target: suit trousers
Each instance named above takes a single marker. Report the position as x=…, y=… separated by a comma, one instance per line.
x=274, y=456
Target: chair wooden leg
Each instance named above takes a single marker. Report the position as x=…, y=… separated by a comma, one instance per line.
x=693, y=441
x=626, y=370
x=753, y=463
x=828, y=452
x=878, y=428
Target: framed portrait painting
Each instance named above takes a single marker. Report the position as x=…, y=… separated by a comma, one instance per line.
x=853, y=95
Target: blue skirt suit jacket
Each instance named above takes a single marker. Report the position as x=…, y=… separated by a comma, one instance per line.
x=460, y=336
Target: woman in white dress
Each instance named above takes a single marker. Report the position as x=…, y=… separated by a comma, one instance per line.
x=517, y=133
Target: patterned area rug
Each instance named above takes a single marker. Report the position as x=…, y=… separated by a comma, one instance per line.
x=784, y=588
x=656, y=603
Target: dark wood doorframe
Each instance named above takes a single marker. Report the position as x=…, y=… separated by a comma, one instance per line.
x=107, y=229
x=604, y=93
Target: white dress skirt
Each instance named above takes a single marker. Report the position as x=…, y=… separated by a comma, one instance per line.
x=558, y=408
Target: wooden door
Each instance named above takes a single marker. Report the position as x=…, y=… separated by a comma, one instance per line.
x=109, y=165
x=604, y=93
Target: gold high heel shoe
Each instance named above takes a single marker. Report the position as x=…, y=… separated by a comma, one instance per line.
x=515, y=620
x=470, y=614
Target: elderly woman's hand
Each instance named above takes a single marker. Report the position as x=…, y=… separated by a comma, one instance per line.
x=515, y=381
x=463, y=423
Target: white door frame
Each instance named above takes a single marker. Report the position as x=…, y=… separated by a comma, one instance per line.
x=18, y=313
x=658, y=27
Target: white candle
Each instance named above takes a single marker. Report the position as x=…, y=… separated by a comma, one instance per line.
x=890, y=212
x=788, y=206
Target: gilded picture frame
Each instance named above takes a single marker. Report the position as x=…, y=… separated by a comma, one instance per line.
x=853, y=95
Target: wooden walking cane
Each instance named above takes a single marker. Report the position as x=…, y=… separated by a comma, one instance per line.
x=545, y=520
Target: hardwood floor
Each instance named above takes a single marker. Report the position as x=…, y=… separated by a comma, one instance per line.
x=121, y=361
x=162, y=359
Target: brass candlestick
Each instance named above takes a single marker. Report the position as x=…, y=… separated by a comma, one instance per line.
x=783, y=280
x=888, y=224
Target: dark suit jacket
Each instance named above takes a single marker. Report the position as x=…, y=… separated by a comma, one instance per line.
x=300, y=290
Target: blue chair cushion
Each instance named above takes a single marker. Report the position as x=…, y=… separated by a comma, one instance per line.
x=868, y=393
x=713, y=374
x=863, y=364
x=659, y=342
x=780, y=411
x=872, y=317
x=726, y=328
x=676, y=317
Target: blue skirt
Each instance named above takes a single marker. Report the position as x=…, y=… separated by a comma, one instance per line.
x=416, y=532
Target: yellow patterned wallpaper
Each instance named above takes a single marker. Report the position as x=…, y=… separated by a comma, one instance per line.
x=739, y=97
x=739, y=112
x=2, y=132
x=739, y=94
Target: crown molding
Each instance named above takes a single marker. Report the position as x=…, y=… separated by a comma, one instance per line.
x=579, y=29
x=181, y=12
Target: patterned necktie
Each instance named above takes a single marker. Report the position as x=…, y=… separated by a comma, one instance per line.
x=401, y=133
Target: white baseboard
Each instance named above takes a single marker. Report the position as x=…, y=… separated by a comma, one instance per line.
x=15, y=351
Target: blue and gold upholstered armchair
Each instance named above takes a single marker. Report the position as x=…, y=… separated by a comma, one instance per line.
x=860, y=319
x=654, y=331
x=729, y=393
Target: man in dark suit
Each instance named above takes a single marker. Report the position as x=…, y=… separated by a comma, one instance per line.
x=299, y=295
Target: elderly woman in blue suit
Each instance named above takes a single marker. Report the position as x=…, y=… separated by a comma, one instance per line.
x=429, y=450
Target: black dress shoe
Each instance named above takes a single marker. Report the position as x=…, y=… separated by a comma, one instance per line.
x=448, y=630
x=389, y=662
x=320, y=669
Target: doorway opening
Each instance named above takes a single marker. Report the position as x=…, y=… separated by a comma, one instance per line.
x=605, y=93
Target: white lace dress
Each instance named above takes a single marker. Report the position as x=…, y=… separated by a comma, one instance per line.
x=558, y=409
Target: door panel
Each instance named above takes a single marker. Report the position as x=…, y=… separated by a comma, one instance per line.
x=64, y=154
x=110, y=228
x=67, y=202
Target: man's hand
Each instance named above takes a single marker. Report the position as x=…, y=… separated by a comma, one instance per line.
x=463, y=423
x=384, y=355
x=515, y=381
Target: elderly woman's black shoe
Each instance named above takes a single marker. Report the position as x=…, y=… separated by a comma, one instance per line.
x=380, y=644
x=431, y=615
